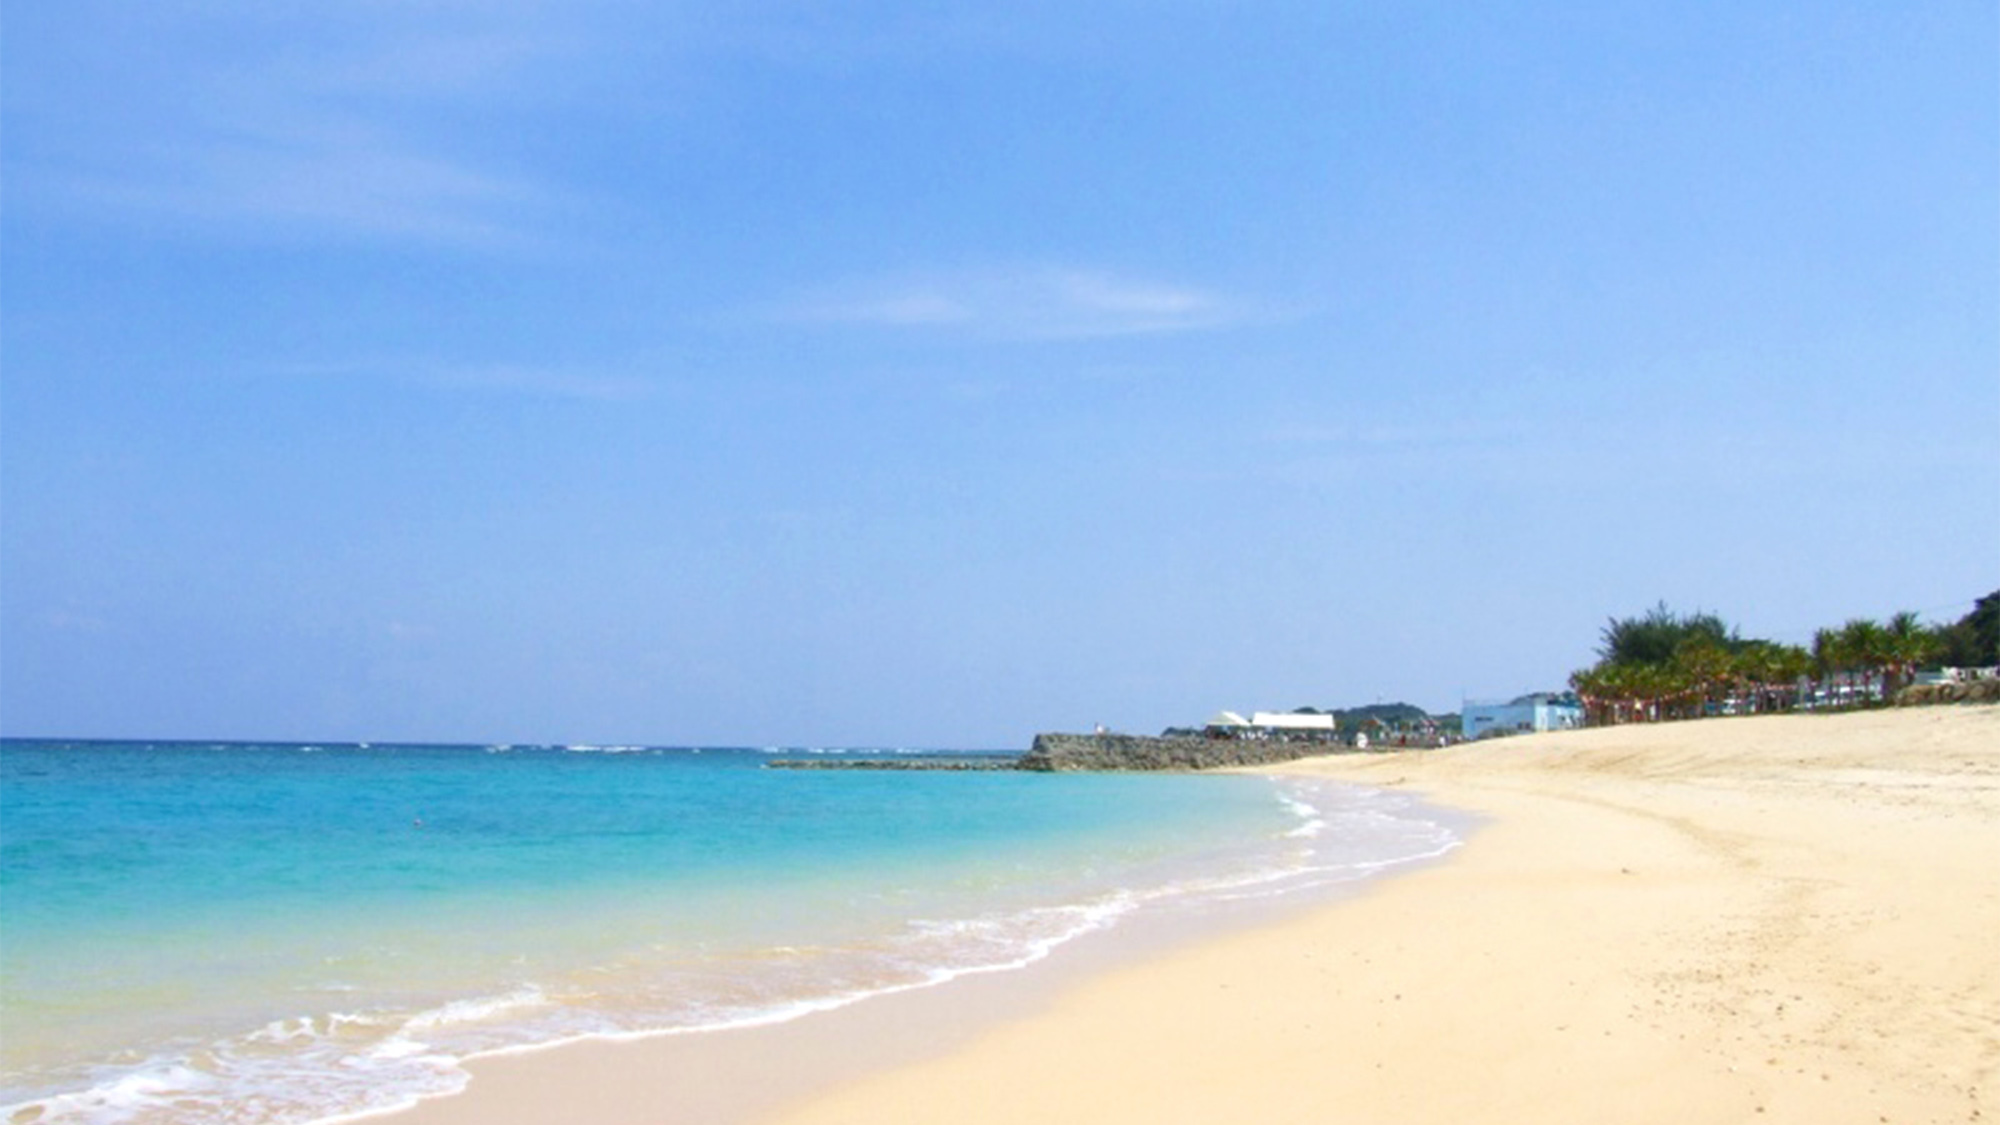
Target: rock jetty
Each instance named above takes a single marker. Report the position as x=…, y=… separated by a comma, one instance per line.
x=1967, y=691
x=1103, y=753
x=897, y=763
x=1055, y=753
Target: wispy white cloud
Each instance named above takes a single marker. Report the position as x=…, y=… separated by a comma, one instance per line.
x=429, y=64
x=344, y=177
x=337, y=124
x=1030, y=303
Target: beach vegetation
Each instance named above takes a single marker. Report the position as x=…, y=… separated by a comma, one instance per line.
x=1973, y=641
x=1666, y=665
x=1653, y=638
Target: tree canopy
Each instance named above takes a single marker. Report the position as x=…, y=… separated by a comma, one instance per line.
x=1655, y=637
x=1974, y=640
x=1664, y=664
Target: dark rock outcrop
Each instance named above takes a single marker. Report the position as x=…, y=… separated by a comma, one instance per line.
x=1103, y=753
x=1123, y=752
x=900, y=763
x=1970, y=691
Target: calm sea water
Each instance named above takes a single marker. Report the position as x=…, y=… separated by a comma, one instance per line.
x=279, y=933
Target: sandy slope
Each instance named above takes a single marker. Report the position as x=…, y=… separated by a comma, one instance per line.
x=1791, y=919
x=1773, y=919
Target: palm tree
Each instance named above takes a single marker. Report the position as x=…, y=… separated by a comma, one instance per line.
x=1702, y=669
x=1907, y=644
x=1861, y=645
x=1767, y=672
x=1827, y=654
x=1617, y=693
x=1792, y=665
x=1590, y=686
x=1662, y=665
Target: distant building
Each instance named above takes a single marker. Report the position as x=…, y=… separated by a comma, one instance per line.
x=1227, y=724
x=1539, y=711
x=1271, y=724
x=1293, y=722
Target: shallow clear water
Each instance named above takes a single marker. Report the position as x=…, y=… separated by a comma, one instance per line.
x=284, y=933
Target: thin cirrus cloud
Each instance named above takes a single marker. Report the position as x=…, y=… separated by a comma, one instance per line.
x=356, y=138
x=331, y=177
x=1036, y=303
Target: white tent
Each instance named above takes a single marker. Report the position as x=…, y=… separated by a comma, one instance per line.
x=1285, y=720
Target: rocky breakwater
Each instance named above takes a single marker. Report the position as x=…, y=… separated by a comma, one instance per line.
x=949, y=764
x=1964, y=691
x=1054, y=753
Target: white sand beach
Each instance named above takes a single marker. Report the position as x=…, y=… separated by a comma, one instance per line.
x=1787, y=919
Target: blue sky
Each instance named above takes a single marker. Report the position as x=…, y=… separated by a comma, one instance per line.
x=937, y=374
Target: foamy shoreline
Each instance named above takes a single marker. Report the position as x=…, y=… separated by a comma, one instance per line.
x=823, y=892
x=1345, y=839
x=1775, y=919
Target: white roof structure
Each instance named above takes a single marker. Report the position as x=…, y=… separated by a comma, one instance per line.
x=1228, y=719
x=1284, y=720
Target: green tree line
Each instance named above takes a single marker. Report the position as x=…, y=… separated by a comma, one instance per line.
x=1667, y=665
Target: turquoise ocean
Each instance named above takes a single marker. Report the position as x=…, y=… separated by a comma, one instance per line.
x=196, y=932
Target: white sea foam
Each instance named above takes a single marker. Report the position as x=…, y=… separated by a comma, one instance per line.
x=473, y=1010
x=284, y=1031
x=1311, y=822
x=123, y=1097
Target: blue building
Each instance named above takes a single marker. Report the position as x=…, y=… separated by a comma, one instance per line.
x=1542, y=710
